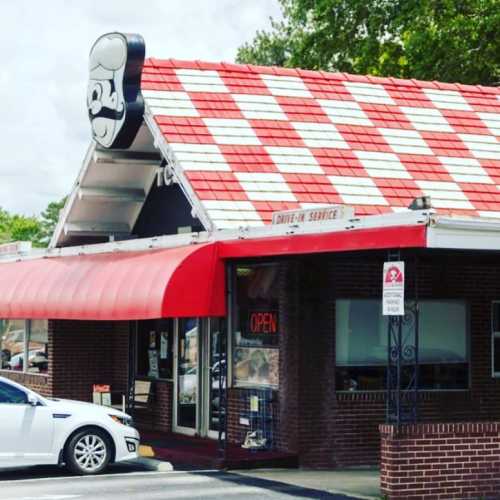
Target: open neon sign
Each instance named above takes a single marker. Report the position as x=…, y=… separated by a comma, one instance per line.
x=263, y=322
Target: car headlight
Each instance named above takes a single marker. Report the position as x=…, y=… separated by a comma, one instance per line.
x=123, y=420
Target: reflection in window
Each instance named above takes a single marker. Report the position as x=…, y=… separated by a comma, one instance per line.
x=38, y=343
x=256, y=326
x=22, y=340
x=12, y=333
x=361, y=345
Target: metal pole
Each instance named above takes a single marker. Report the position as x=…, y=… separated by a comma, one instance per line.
x=417, y=335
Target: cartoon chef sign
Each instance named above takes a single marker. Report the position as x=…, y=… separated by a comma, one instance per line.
x=114, y=101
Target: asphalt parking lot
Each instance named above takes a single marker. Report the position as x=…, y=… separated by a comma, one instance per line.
x=137, y=481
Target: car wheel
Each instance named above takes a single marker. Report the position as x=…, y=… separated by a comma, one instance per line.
x=88, y=452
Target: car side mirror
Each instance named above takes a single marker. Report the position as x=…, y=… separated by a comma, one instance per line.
x=32, y=399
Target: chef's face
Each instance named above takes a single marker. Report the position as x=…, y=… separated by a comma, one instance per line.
x=106, y=109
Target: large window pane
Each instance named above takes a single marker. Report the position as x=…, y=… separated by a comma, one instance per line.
x=187, y=372
x=256, y=326
x=12, y=333
x=155, y=348
x=361, y=333
x=361, y=344
x=443, y=336
x=38, y=343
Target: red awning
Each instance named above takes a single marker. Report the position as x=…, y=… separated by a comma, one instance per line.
x=377, y=238
x=175, y=282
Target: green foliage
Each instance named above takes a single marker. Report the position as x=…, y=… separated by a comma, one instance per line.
x=48, y=221
x=38, y=230
x=446, y=40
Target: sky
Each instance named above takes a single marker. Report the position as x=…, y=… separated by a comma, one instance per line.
x=44, y=128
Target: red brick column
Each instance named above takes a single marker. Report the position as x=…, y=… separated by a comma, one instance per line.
x=440, y=461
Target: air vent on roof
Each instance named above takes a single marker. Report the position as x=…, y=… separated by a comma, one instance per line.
x=421, y=203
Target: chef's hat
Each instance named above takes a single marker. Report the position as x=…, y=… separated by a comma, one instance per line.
x=108, y=54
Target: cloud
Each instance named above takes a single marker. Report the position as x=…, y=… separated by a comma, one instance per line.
x=44, y=130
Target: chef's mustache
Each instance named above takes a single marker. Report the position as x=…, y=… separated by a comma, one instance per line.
x=109, y=113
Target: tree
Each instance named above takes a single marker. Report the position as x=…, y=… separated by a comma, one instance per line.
x=446, y=40
x=38, y=230
x=49, y=219
x=18, y=227
x=4, y=226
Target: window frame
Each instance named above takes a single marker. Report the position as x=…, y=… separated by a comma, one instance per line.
x=136, y=333
x=494, y=335
x=233, y=320
x=26, y=341
x=468, y=346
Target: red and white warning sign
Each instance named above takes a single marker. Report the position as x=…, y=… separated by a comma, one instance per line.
x=393, y=291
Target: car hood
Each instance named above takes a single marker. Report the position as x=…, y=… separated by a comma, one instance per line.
x=72, y=405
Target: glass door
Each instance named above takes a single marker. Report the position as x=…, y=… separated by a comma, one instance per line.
x=198, y=380
x=187, y=357
x=215, y=378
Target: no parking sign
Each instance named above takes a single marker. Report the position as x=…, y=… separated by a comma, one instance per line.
x=393, y=290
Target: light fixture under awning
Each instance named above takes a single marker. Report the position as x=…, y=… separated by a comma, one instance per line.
x=175, y=282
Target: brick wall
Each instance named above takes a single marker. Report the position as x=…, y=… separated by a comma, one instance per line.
x=87, y=353
x=440, y=461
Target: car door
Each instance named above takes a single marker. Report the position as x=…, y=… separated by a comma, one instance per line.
x=13, y=403
x=26, y=431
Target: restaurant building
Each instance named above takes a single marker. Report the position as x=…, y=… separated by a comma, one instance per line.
x=225, y=240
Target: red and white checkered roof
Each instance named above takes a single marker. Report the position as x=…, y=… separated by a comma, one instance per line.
x=251, y=140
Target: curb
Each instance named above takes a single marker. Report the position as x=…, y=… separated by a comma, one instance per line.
x=153, y=465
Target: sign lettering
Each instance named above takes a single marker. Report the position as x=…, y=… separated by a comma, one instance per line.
x=322, y=214
x=263, y=322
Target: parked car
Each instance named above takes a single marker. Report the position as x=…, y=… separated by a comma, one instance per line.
x=35, y=430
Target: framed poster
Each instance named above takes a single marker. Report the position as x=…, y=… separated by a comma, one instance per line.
x=256, y=366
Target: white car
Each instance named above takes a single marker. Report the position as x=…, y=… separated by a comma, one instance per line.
x=39, y=431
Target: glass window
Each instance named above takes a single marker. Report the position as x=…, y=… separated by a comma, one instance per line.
x=256, y=326
x=495, y=338
x=361, y=344
x=187, y=375
x=12, y=395
x=24, y=339
x=12, y=333
x=154, y=349
x=38, y=344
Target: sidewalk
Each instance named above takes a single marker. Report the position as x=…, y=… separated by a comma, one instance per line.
x=357, y=483
x=186, y=453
